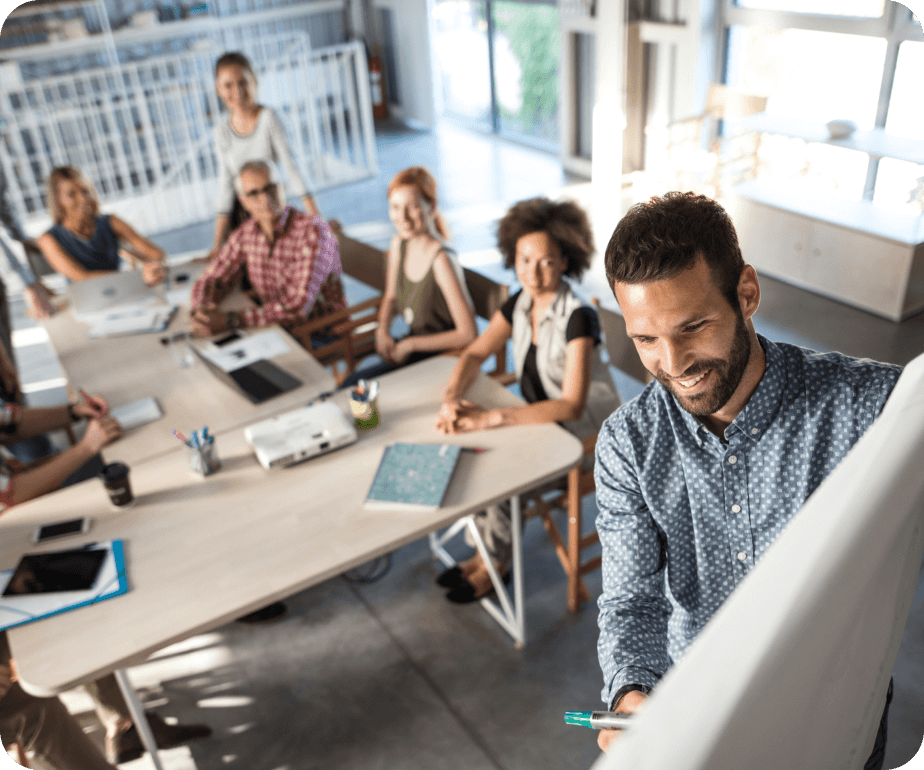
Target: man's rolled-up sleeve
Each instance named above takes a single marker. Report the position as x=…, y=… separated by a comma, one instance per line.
x=634, y=610
x=223, y=274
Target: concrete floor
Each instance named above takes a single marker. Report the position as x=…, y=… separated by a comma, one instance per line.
x=388, y=674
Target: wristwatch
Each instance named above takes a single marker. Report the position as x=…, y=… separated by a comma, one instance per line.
x=626, y=689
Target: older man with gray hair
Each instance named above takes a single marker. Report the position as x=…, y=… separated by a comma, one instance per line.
x=291, y=259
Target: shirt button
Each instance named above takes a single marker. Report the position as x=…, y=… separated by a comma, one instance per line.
x=742, y=556
x=754, y=431
x=736, y=508
x=732, y=460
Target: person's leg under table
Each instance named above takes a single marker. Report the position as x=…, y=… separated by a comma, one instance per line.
x=46, y=728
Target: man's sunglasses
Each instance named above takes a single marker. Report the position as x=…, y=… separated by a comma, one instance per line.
x=270, y=189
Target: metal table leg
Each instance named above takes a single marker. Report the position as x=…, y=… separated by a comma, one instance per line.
x=509, y=614
x=138, y=716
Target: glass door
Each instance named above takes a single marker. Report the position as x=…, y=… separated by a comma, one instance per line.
x=497, y=64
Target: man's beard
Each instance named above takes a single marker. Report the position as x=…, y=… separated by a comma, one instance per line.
x=728, y=374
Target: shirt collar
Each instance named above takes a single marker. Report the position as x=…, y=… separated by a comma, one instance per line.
x=757, y=414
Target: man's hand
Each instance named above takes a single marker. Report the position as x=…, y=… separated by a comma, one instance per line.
x=153, y=272
x=100, y=432
x=208, y=320
x=38, y=300
x=630, y=703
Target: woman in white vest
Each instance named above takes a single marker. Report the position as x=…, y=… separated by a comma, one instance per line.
x=555, y=347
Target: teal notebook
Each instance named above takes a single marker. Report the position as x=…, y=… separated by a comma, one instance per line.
x=413, y=476
x=16, y=610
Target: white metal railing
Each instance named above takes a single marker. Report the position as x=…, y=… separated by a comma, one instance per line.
x=143, y=131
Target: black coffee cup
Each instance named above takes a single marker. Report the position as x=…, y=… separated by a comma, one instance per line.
x=115, y=479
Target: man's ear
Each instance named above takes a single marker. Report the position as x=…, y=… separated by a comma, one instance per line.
x=748, y=291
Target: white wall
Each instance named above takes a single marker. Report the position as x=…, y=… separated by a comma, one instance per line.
x=411, y=20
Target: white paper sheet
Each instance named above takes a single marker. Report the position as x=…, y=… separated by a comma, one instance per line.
x=132, y=320
x=262, y=346
x=137, y=413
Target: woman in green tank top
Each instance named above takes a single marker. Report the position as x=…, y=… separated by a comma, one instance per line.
x=424, y=281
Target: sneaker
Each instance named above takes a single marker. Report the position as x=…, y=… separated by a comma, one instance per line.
x=126, y=746
x=274, y=611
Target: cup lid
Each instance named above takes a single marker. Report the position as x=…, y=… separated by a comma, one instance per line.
x=114, y=471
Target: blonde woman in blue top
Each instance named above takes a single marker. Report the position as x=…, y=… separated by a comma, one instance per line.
x=83, y=243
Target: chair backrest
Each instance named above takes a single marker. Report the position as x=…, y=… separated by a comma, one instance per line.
x=487, y=295
x=619, y=347
x=361, y=261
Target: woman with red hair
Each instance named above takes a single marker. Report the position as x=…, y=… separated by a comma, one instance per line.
x=424, y=282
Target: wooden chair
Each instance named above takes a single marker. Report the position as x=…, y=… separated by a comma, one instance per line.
x=623, y=356
x=620, y=349
x=543, y=502
x=487, y=297
x=728, y=159
x=353, y=326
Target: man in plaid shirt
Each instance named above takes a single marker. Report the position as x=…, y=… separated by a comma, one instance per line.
x=291, y=259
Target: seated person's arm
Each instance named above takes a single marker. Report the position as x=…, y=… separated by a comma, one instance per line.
x=220, y=278
x=31, y=483
x=569, y=407
x=63, y=262
x=35, y=421
x=463, y=317
x=384, y=342
x=151, y=255
x=466, y=370
x=310, y=206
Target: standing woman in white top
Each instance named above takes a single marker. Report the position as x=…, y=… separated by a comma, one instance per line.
x=251, y=132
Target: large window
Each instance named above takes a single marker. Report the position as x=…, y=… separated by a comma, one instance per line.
x=819, y=60
x=497, y=64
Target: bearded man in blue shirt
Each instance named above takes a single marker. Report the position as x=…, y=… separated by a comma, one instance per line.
x=698, y=476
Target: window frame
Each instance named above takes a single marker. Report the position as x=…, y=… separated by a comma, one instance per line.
x=896, y=25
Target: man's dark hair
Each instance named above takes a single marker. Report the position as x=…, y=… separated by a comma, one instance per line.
x=564, y=222
x=663, y=237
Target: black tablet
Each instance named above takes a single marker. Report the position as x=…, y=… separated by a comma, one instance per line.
x=44, y=573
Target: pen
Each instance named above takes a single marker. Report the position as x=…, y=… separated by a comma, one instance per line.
x=598, y=720
x=91, y=401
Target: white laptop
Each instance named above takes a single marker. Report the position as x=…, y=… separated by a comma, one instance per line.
x=124, y=287
x=298, y=435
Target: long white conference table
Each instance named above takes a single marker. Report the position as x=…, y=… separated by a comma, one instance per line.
x=201, y=552
x=127, y=368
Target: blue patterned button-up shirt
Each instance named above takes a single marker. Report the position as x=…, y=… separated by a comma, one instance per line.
x=684, y=516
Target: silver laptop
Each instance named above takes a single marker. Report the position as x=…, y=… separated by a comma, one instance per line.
x=95, y=295
x=299, y=435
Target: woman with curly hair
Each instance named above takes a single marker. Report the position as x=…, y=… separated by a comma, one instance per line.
x=555, y=337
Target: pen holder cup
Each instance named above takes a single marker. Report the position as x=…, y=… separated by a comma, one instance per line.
x=203, y=459
x=365, y=412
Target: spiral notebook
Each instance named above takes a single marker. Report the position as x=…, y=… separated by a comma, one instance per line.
x=413, y=476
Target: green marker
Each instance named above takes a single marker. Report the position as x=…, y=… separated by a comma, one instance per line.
x=598, y=720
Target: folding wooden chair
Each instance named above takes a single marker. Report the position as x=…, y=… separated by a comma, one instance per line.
x=355, y=326
x=543, y=502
